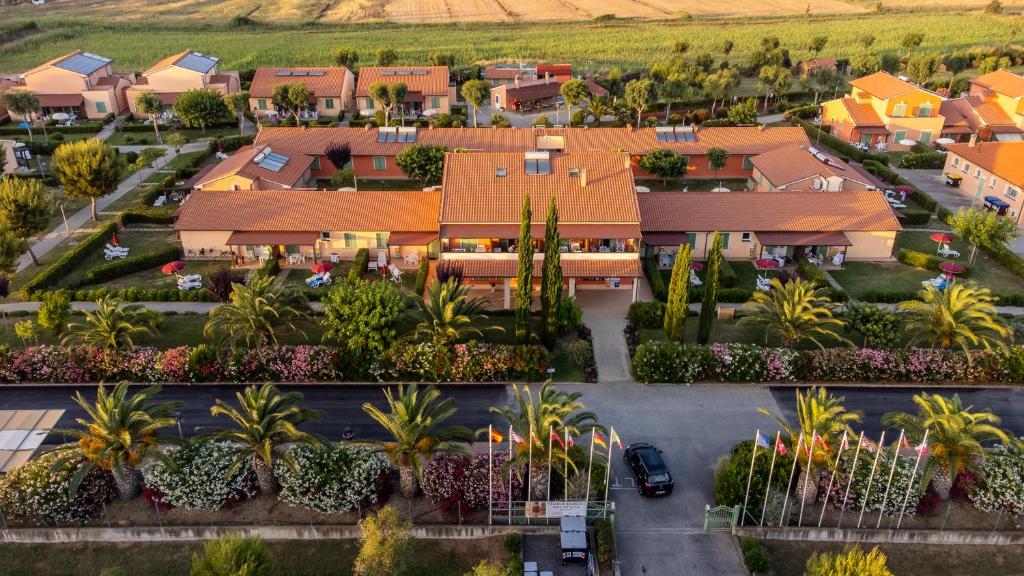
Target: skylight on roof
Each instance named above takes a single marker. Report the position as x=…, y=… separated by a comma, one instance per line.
x=316, y=72
x=406, y=134
x=538, y=163
x=387, y=134
x=271, y=160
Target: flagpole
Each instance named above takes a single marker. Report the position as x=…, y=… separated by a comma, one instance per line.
x=832, y=479
x=920, y=450
x=871, y=477
x=511, y=457
x=792, y=472
x=892, y=472
x=551, y=431
x=529, y=467
x=750, y=475
x=771, y=469
x=608, y=470
x=565, y=468
x=849, y=482
x=590, y=464
x=490, y=474
x=807, y=479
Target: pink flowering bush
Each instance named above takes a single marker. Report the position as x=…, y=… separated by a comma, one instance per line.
x=470, y=362
x=452, y=480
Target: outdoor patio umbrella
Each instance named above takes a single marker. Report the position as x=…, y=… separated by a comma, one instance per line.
x=322, y=267
x=941, y=238
x=945, y=141
x=907, y=142
x=173, y=267
x=113, y=239
x=951, y=268
x=766, y=263
x=60, y=116
x=697, y=265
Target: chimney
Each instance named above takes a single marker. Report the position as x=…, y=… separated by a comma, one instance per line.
x=974, y=141
x=366, y=127
x=583, y=177
x=547, y=77
x=517, y=81
x=760, y=127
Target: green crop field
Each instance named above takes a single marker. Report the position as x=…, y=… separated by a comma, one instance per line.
x=629, y=44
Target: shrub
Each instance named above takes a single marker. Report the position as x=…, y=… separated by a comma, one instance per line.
x=580, y=352
x=570, y=315
x=146, y=216
x=270, y=269
x=220, y=281
x=604, y=535
x=813, y=273
x=726, y=275
x=880, y=328
x=39, y=491
x=54, y=311
x=233, y=554
x=201, y=477
x=754, y=555
x=670, y=362
x=359, y=264
x=852, y=561
x=456, y=480
x=332, y=479
x=922, y=260
x=117, y=268
x=73, y=257
x=655, y=279
x=731, y=475
x=924, y=160
x=470, y=362
x=344, y=178
x=912, y=217
x=1002, y=481
x=646, y=314
x=421, y=276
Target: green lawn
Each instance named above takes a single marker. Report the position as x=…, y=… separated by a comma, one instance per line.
x=987, y=272
x=746, y=274
x=149, y=138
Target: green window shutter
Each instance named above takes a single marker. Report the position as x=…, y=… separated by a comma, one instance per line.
x=350, y=240
x=382, y=239
x=747, y=164
x=329, y=103
x=380, y=163
x=435, y=102
x=725, y=240
x=261, y=104
x=369, y=103
x=691, y=239
x=926, y=137
x=101, y=107
x=899, y=135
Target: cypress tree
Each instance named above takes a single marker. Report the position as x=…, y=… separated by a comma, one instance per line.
x=551, y=280
x=707, y=307
x=524, y=290
x=678, y=295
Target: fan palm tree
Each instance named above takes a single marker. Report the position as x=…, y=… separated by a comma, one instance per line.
x=599, y=107
x=253, y=314
x=118, y=433
x=447, y=314
x=532, y=418
x=796, y=310
x=112, y=326
x=822, y=415
x=266, y=423
x=962, y=315
x=413, y=419
x=955, y=436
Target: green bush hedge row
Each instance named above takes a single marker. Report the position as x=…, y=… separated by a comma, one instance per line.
x=924, y=160
x=421, y=276
x=658, y=286
x=118, y=268
x=86, y=128
x=890, y=176
x=359, y=264
x=813, y=273
x=726, y=275
x=922, y=260
x=144, y=295
x=69, y=260
x=916, y=217
x=646, y=314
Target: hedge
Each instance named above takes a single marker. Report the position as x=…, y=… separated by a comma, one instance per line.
x=359, y=264
x=146, y=216
x=85, y=128
x=840, y=146
x=232, y=143
x=726, y=275
x=725, y=295
x=144, y=295
x=646, y=314
x=890, y=176
x=122, y=267
x=927, y=261
x=657, y=283
x=916, y=217
x=69, y=260
x=924, y=160
x=421, y=276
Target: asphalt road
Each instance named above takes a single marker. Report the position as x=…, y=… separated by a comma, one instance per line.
x=341, y=405
x=1007, y=403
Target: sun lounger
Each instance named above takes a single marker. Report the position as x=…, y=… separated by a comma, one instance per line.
x=694, y=280
x=111, y=248
x=186, y=286
x=947, y=252
x=112, y=255
x=396, y=274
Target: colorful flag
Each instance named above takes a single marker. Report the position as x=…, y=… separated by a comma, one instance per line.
x=844, y=444
x=821, y=441
x=569, y=440
x=557, y=438
x=922, y=448
x=615, y=438
x=517, y=438
x=497, y=437
x=762, y=441
x=869, y=445
x=533, y=437
x=780, y=447
x=906, y=443
x=599, y=440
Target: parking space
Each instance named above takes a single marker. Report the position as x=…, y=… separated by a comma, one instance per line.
x=546, y=552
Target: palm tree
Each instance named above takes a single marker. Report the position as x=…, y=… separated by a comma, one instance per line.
x=253, y=314
x=531, y=419
x=112, y=326
x=796, y=310
x=962, y=315
x=118, y=434
x=599, y=107
x=414, y=421
x=955, y=436
x=819, y=415
x=447, y=313
x=266, y=423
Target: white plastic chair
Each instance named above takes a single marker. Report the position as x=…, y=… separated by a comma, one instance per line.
x=694, y=280
x=948, y=252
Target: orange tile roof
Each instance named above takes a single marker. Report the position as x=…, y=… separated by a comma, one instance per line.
x=1003, y=159
x=763, y=211
x=310, y=210
x=794, y=163
x=165, y=62
x=331, y=83
x=571, y=268
x=862, y=114
x=433, y=83
x=989, y=112
x=883, y=85
x=242, y=163
x=1003, y=82
x=473, y=193
x=747, y=140
x=52, y=62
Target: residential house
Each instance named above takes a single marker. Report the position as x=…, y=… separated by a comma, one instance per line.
x=805, y=168
x=428, y=87
x=860, y=225
x=598, y=218
x=884, y=109
x=374, y=149
x=814, y=65
x=259, y=168
x=992, y=110
x=560, y=72
x=542, y=93
x=504, y=73
x=990, y=170
x=331, y=90
x=81, y=84
x=188, y=70
x=253, y=225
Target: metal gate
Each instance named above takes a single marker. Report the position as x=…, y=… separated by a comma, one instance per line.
x=720, y=518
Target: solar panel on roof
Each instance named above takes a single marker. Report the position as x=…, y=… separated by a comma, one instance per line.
x=421, y=72
x=272, y=161
x=316, y=72
x=299, y=73
x=198, y=62
x=84, y=63
x=283, y=73
x=387, y=72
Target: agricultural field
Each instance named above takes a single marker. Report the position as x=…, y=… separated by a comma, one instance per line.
x=629, y=44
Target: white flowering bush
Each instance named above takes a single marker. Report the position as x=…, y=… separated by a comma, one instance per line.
x=201, y=478
x=332, y=479
x=901, y=480
x=1002, y=481
x=38, y=492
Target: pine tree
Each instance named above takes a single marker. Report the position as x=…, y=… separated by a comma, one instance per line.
x=524, y=290
x=678, y=295
x=707, y=307
x=551, y=280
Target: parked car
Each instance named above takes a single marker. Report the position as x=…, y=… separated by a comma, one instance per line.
x=649, y=470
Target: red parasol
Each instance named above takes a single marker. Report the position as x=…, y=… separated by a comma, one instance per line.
x=113, y=239
x=766, y=263
x=951, y=267
x=697, y=265
x=322, y=267
x=943, y=237
x=904, y=188
x=173, y=267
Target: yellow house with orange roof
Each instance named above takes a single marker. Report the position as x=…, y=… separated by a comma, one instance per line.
x=882, y=108
x=181, y=72
x=78, y=83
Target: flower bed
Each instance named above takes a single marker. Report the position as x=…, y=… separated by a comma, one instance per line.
x=202, y=478
x=471, y=362
x=39, y=491
x=671, y=362
x=453, y=480
x=332, y=479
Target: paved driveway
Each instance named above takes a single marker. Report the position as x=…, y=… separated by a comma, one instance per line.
x=604, y=311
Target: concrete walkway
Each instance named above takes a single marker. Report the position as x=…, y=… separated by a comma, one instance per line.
x=771, y=118
x=604, y=312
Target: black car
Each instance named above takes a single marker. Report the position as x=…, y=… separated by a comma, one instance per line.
x=649, y=469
